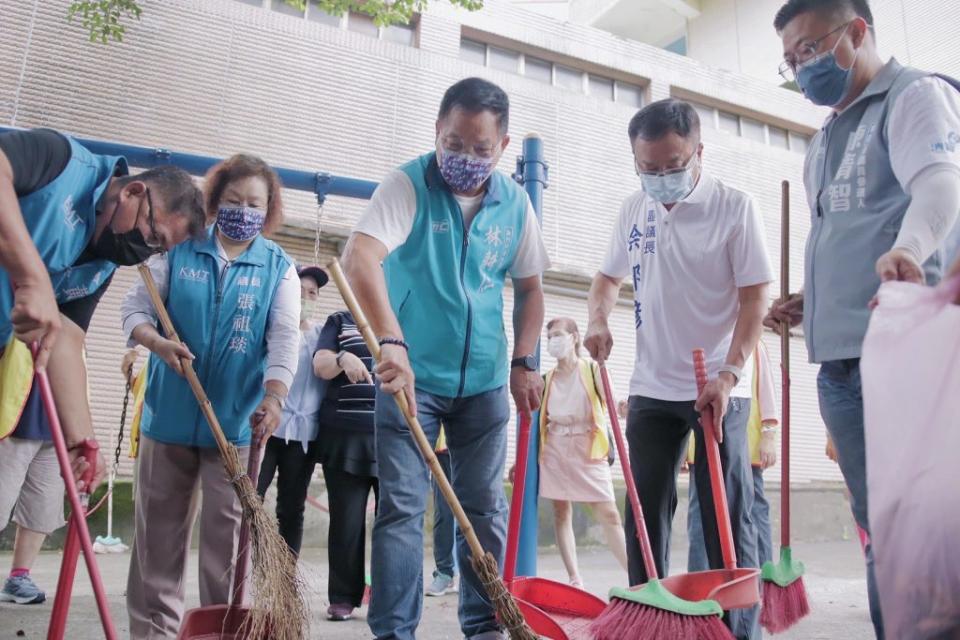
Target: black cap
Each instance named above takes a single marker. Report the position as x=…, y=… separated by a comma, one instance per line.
x=316, y=273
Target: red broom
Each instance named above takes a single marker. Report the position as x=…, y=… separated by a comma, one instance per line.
x=651, y=611
x=784, y=594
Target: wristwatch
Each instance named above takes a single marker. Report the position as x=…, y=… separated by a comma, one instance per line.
x=528, y=362
x=339, y=355
x=276, y=396
x=735, y=371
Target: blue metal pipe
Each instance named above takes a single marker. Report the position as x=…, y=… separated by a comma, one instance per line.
x=320, y=183
x=532, y=174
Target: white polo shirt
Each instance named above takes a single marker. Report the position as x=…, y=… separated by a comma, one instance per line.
x=686, y=265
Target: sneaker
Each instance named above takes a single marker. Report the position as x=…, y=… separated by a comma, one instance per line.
x=339, y=612
x=442, y=585
x=21, y=590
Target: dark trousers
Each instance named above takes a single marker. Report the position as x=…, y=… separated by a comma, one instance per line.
x=295, y=468
x=347, y=495
x=657, y=432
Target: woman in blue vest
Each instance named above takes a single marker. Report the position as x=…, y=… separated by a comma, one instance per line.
x=234, y=298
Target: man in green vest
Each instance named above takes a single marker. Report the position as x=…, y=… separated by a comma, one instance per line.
x=448, y=229
x=882, y=179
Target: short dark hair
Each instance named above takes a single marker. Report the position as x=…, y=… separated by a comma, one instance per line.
x=177, y=190
x=829, y=8
x=475, y=95
x=662, y=117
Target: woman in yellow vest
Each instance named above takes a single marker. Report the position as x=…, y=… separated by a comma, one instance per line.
x=574, y=446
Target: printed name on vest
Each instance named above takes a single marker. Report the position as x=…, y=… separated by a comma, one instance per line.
x=194, y=275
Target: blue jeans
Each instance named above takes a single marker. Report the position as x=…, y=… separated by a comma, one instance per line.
x=476, y=431
x=841, y=406
x=444, y=525
x=697, y=554
x=657, y=432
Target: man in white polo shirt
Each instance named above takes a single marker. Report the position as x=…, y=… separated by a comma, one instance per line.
x=694, y=250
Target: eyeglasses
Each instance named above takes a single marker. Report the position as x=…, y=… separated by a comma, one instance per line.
x=155, y=242
x=807, y=51
x=665, y=172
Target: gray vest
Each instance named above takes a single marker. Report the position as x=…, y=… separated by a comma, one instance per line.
x=857, y=207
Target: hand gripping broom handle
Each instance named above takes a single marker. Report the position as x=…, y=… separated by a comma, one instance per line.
x=716, y=472
x=785, y=367
x=426, y=449
x=640, y=524
x=185, y=364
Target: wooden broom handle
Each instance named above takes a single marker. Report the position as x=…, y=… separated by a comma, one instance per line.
x=185, y=364
x=426, y=449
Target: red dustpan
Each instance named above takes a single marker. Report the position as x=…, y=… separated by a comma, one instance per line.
x=552, y=609
x=225, y=621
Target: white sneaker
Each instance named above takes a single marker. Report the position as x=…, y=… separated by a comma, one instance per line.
x=442, y=585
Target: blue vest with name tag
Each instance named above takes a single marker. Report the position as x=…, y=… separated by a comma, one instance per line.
x=61, y=218
x=222, y=316
x=446, y=282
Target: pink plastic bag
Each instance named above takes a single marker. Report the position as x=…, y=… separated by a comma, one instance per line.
x=911, y=394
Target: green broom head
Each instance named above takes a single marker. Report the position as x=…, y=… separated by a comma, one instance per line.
x=785, y=572
x=654, y=594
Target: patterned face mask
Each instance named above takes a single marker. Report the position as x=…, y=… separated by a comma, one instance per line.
x=240, y=223
x=464, y=172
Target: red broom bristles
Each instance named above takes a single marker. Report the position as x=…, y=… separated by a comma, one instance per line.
x=783, y=607
x=625, y=620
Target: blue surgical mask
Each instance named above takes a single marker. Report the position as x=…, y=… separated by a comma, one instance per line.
x=823, y=81
x=672, y=187
x=240, y=223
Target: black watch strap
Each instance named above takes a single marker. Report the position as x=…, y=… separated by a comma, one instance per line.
x=528, y=362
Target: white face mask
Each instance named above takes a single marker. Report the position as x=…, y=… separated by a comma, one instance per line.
x=308, y=309
x=560, y=346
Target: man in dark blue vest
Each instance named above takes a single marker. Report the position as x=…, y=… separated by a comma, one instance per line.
x=449, y=229
x=68, y=218
x=882, y=179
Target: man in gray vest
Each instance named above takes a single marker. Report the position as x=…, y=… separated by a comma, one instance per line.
x=882, y=179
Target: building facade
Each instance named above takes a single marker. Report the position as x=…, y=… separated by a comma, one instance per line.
x=321, y=93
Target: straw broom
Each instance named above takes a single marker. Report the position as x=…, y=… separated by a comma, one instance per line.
x=483, y=563
x=279, y=611
x=784, y=594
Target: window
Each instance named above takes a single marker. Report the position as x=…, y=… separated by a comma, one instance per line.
x=753, y=130
x=316, y=14
x=504, y=59
x=778, y=137
x=728, y=122
x=600, y=87
x=539, y=70
x=799, y=142
x=569, y=78
x=629, y=94
x=707, y=115
x=283, y=7
x=405, y=34
x=256, y=3
x=362, y=23
x=473, y=51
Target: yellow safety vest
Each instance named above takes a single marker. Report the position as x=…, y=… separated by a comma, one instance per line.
x=600, y=445
x=16, y=380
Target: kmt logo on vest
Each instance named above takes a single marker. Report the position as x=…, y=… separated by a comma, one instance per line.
x=441, y=227
x=194, y=275
x=70, y=216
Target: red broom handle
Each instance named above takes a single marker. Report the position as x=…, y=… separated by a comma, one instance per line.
x=516, y=500
x=77, y=517
x=713, y=462
x=785, y=367
x=639, y=523
x=71, y=551
x=243, y=543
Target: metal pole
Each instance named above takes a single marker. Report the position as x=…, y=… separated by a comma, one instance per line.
x=320, y=183
x=532, y=174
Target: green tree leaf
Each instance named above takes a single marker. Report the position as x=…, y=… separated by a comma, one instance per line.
x=104, y=19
